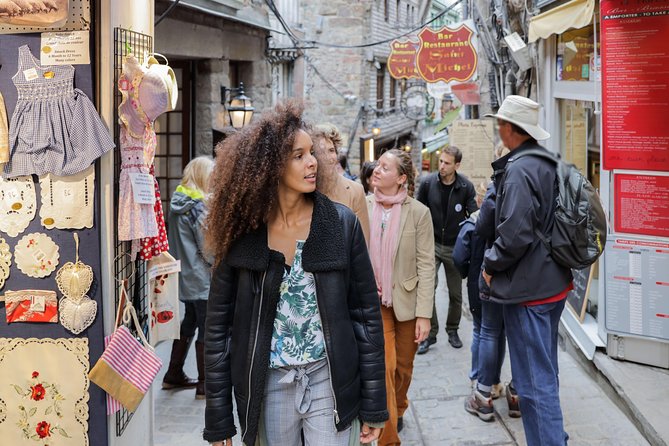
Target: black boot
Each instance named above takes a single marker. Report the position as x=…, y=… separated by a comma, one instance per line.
x=199, y=356
x=175, y=378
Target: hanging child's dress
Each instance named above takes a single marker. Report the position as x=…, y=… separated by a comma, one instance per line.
x=55, y=127
x=145, y=97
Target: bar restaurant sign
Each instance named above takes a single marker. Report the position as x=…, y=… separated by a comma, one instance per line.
x=447, y=54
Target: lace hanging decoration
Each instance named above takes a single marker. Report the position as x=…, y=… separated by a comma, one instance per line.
x=67, y=202
x=18, y=204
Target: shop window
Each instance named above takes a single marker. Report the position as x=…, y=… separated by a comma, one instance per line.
x=576, y=55
x=380, y=88
x=580, y=145
x=386, y=10
x=173, y=133
x=397, y=12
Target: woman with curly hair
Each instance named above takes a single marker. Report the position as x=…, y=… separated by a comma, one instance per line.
x=401, y=246
x=294, y=325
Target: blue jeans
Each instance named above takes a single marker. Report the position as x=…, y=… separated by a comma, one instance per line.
x=476, y=320
x=532, y=332
x=492, y=345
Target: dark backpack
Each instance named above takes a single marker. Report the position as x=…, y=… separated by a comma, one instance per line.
x=579, y=233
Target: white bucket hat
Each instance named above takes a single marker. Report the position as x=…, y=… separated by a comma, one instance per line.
x=524, y=113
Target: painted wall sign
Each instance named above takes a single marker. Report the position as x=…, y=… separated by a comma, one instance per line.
x=447, y=54
x=402, y=59
x=641, y=204
x=635, y=88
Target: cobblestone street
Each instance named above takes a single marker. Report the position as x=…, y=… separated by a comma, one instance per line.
x=436, y=416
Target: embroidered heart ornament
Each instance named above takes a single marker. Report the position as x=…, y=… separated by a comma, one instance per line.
x=74, y=280
x=77, y=316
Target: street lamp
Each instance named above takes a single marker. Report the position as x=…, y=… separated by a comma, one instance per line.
x=239, y=109
x=376, y=129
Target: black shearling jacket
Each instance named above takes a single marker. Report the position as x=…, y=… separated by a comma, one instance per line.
x=240, y=317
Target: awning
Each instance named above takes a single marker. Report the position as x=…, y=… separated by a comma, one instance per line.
x=573, y=14
x=436, y=142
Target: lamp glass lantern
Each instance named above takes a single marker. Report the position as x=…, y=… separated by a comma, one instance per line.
x=376, y=129
x=240, y=109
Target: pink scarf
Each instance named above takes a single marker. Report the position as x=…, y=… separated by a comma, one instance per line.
x=383, y=242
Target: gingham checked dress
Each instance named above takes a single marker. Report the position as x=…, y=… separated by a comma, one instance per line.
x=55, y=127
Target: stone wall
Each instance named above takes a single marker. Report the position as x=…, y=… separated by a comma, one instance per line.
x=213, y=43
x=340, y=22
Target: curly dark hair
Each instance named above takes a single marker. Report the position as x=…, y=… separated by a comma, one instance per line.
x=245, y=180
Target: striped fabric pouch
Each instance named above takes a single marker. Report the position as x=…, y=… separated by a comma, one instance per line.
x=127, y=367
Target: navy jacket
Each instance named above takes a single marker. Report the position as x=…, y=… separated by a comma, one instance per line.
x=521, y=267
x=468, y=257
x=447, y=210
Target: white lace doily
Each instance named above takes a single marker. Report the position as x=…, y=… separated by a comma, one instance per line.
x=17, y=204
x=5, y=261
x=36, y=255
x=67, y=202
x=77, y=315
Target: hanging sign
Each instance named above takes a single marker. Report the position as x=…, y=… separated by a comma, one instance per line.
x=416, y=103
x=402, y=59
x=447, y=54
x=635, y=87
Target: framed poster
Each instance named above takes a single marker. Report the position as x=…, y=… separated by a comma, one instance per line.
x=641, y=204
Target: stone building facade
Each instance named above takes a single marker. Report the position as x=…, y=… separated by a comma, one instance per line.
x=210, y=45
x=349, y=85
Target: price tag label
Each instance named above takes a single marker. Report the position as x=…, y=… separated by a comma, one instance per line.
x=143, y=188
x=68, y=195
x=30, y=74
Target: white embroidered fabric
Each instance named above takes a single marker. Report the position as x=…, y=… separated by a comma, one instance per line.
x=18, y=204
x=5, y=261
x=67, y=202
x=77, y=310
x=77, y=315
x=36, y=255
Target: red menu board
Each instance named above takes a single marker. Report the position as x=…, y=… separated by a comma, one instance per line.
x=635, y=84
x=642, y=204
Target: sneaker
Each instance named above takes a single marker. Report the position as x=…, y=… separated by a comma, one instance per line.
x=513, y=400
x=424, y=346
x=480, y=406
x=454, y=339
x=496, y=391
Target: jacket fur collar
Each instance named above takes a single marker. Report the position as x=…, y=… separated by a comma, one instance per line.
x=323, y=250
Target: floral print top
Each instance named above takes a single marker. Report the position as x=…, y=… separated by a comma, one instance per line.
x=297, y=337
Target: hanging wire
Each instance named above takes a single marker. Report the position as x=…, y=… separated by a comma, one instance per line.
x=167, y=12
x=295, y=39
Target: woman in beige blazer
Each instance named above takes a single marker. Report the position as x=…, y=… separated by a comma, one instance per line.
x=401, y=247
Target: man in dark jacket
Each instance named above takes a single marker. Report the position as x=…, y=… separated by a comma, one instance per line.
x=451, y=198
x=521, y=273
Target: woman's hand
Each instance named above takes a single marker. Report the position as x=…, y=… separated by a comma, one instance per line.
x=369, y=434
x=227, y=442
x=422, y=329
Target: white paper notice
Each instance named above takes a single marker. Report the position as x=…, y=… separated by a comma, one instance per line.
x=66, y=48
x=164, y=268
x=143, y=189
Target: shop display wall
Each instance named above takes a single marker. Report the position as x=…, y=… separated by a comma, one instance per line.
x=128, y=42
x=89, y=251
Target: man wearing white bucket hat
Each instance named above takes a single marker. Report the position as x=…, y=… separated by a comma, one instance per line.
x=521, y=273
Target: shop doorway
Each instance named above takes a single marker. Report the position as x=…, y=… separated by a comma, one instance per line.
x=174, y=135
